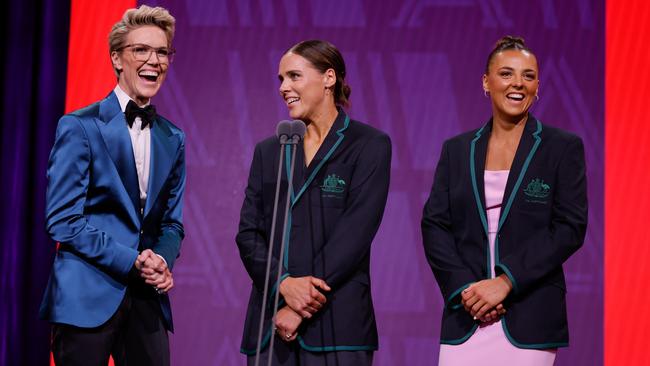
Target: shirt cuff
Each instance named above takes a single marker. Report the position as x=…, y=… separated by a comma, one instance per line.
x=163, y=258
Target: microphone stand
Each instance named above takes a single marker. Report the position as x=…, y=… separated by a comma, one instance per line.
x=294, y=143
x=283, y=130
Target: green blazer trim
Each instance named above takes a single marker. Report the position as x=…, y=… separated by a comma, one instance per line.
x=477, y=197
x=505, y=270
x=455, y=342
x=277, y=284
x=341, y=136
x=313, y=174
x=454, y=294
x=513, y=193
x=265, y=341
x=309, y=348
x=532, y=345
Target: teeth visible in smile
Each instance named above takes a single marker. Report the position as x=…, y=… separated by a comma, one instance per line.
x=148, y=73
x=292, y=100
x=515, y=96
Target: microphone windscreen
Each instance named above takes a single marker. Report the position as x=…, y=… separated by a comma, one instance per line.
x=284, y=128
x=298, y=128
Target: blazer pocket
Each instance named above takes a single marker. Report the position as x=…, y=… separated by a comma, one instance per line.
x=333, y=185
x=536, y=192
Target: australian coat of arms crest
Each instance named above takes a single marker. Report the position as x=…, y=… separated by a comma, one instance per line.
x=537, y=189
x=333, y=184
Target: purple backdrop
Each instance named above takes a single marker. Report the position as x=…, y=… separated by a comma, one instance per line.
x=415, y=69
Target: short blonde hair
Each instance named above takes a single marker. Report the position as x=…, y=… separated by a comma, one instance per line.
x=138, y=17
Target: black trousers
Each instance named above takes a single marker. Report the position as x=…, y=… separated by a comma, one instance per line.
x=135, y=335
x=291, y=354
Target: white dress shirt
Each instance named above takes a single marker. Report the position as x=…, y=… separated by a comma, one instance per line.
x=141, y=143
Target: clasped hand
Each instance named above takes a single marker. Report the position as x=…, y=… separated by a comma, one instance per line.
x=154, y=271
x=304, y=298
x=484, y=299
x=304, y=294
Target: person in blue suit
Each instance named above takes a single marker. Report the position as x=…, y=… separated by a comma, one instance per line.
x=340, y=189
x=508, y=207
x=116, y=178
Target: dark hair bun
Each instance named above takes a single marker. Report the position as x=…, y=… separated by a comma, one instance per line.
x=510, y=42
x=503, y=44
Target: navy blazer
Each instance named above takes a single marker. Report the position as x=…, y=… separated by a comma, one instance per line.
x=543, y=222
x=93, y=211
x=337, y=206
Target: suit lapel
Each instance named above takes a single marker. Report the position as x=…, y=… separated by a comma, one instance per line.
x=325, y=152
x=478, y=152
x=118, y=143
x=530, y=140
x=162, y=157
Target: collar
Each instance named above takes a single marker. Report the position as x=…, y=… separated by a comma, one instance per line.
x=124, y=98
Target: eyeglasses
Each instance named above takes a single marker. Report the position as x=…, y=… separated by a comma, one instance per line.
x=143, y=52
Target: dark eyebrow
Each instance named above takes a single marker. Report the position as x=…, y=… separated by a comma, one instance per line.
x=290, y=72
x=508, y=68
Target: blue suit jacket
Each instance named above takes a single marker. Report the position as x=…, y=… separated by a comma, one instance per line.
x=336, y=209
x=543, y=222
x=93, y=211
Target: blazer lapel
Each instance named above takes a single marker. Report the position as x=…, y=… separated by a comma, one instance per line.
x=325, y=152
x=162, y=157
x=528, y=145
x=118, y=143
x=478, y=152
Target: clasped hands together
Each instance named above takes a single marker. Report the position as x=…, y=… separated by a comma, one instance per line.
x=154, y=271
x=304, y=297
x=484, y=299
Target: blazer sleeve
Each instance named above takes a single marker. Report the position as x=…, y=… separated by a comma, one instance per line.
x=439, y=244
x=349, y=242
x=172, y=232
x=566, y=232
x=68, y=179
x=252, y=238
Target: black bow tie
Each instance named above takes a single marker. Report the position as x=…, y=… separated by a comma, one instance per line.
x=147, y=114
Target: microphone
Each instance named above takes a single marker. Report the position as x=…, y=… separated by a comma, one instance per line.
x=298, y=129
x=284, y=131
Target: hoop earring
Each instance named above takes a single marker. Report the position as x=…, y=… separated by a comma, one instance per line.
x=536, y=96
x=485, y=92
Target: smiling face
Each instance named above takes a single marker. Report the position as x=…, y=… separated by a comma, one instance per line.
x=512, y=82
x=306, y=91
x=141, y=80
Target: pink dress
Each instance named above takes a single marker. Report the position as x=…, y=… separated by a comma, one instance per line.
x=488, y=345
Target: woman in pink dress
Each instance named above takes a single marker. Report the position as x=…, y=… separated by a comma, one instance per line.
x=508, y=207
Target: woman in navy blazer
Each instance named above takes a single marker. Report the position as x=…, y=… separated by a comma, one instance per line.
x=508, y=207
x=340, y=188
